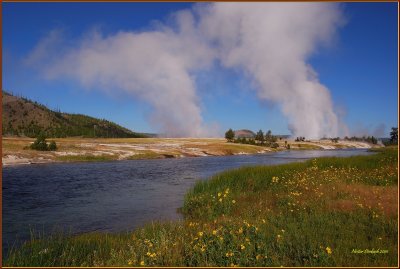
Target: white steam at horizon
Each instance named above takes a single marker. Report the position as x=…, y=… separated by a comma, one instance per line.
x=269, y=42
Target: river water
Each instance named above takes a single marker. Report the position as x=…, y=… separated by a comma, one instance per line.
x=114, y=196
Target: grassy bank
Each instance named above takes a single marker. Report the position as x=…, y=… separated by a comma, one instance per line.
x=322, y=212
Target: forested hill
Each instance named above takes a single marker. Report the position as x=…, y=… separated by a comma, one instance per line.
x=23, y=117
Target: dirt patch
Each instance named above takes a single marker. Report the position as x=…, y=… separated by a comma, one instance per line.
x=349, y=197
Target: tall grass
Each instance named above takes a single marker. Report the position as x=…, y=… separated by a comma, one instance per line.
x=86, y=158
x=322, y=212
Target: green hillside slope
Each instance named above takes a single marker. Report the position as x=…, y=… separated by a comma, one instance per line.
x=23, y=117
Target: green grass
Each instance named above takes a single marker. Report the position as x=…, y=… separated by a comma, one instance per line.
x=85, y=158
x=305, y=146
x=301, y=214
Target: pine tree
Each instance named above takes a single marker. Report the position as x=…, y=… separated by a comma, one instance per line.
x=260, y=137
x=229, y=135
x=394, y=135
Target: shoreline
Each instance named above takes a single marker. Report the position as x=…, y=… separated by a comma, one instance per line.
x=74, y=150
x=32, y=162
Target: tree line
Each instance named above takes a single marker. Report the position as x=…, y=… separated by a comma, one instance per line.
x=259, y=139
x=269, y=140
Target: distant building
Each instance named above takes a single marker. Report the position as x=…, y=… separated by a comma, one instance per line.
x=243, y=133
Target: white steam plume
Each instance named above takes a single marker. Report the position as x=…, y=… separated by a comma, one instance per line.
x=155, y=66
x=270, y=42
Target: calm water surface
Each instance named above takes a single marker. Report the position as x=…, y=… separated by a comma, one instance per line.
x=114, y=196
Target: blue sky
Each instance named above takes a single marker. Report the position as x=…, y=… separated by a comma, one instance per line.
x=359, y=68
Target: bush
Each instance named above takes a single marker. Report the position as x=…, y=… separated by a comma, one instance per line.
x=274, y=145
x=52, y=146
x=41, y=144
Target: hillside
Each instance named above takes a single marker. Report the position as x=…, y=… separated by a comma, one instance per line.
x=23, y=117
x=244, y=133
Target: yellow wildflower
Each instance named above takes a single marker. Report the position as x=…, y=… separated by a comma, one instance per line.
x=233, y=201
x=242, y=247
x=278, y=237
x=219, y=194
x=229, y=254
x=142, y=263
x=220, y=199
x=240, y=230
x=214, y=232
x=328, y=250
x=130, y=262
x=200, y=234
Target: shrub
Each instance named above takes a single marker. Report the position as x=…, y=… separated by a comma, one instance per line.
x=274, y=145
x=52, y=146
x=40, y=143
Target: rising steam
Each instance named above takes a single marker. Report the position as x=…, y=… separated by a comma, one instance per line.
x=269, y=42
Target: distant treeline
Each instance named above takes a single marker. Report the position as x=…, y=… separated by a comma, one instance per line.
x=393, y=140
x=369, y=139
x=259, y=139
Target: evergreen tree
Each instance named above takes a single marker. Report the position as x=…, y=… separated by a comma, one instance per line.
x=268, y=136
x=394, y=135
x=229, y=135
x=260, y=137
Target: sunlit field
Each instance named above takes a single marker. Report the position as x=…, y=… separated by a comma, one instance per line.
x=323, y=212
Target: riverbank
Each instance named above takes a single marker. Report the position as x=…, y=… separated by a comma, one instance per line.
x=321, y=212
x=16, y=151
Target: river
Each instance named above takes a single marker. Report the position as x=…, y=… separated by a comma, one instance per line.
x=114, y=196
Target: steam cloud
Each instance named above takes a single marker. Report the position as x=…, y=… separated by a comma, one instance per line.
x=269, y=42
